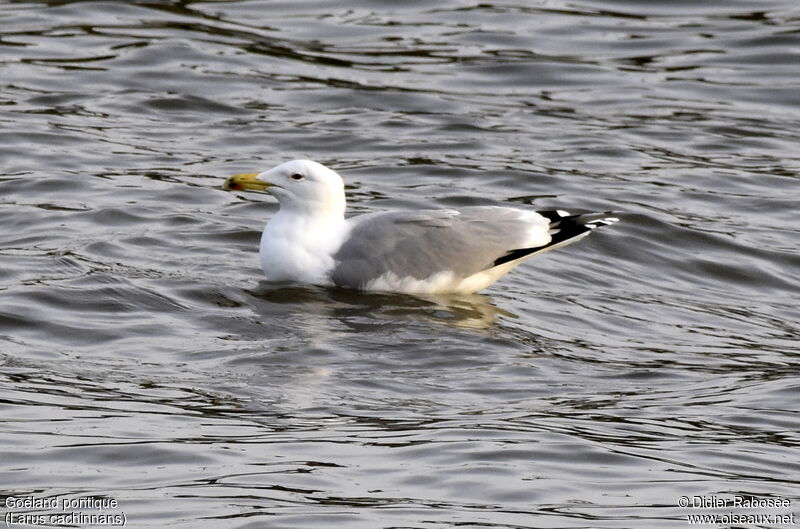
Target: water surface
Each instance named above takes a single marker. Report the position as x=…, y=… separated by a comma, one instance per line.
x=143, y=359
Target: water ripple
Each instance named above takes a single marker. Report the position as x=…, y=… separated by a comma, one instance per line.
x=142, y=358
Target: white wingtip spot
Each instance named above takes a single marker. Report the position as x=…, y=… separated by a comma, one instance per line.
x=562, y=213
x=601, y=222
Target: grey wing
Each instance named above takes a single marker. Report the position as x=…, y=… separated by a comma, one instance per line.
x=419, y=244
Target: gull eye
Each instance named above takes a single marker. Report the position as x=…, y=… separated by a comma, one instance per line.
x=297, y=176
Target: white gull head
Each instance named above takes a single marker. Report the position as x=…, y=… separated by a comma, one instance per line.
x=306, y=187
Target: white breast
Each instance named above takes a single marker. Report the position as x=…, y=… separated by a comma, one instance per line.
x=295, y=248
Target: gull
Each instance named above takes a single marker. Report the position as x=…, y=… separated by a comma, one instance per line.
x=433, y=251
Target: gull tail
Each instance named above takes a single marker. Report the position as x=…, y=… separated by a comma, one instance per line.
x=564, y=229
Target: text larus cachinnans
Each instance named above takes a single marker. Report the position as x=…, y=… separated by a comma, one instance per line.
x=429, y=251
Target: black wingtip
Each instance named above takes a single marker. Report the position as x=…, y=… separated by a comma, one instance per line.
x=564, y=227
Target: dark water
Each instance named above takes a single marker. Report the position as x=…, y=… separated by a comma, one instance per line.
x=143, y=360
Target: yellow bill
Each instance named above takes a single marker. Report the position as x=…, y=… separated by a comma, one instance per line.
x=245, y=182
